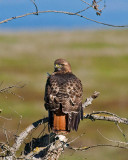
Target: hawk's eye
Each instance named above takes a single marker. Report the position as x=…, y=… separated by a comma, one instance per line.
x=58, y=66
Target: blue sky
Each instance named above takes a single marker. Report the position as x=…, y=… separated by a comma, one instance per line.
x=116, y=12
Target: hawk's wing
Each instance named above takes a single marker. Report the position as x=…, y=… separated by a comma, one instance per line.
x=51, y=89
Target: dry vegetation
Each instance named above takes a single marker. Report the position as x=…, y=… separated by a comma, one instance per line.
x=98, y=58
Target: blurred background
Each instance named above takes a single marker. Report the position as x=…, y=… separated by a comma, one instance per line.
x=98, y=55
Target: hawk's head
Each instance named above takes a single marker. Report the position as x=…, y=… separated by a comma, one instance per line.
x=61, y=65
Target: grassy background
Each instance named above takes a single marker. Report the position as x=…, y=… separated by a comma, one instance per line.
x=98, y=58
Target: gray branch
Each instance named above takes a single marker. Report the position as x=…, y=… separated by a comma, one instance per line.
x=51, y=146
x=20, y=139
x=98, y=145
x=89, y=100
x=106, y=116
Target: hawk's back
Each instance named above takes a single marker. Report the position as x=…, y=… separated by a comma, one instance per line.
x=64, y=89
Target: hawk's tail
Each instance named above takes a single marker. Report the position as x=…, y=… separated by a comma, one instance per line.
x=58, y=122
x=61, y=122
x=74, y=119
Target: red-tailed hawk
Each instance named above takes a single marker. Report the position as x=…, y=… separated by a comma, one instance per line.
x=63, y=98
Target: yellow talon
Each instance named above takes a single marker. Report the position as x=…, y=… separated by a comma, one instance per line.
x=84, y=114
x=36, y=149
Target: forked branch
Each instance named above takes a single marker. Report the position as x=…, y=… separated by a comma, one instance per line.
x=19, y=140
x=78, y=13
x=55, y=148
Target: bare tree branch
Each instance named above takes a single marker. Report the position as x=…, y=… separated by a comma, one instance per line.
x=6, y=89
x=9, y=90
x=89, y=100
x=121, y=132
x=49, y=147
x=87, y=7
x=94, y=5
x=35, y=6
x=5, y=133
x=44, y=147
x=91, y=116
x=64, y=12
x=76, y=138
x=110, y=140
x=97, y=145
x=9, y=119
x=113, y=118
x=19, y=140
x=18, y=125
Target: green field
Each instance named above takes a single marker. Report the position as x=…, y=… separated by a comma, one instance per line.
x=98, y=58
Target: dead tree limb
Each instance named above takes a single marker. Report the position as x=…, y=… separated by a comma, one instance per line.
x=64, y=12
x=89, y=100
x=35, y=6
x=8, y=89
x=11, y=151
x=94, y=5
x=98, y=145
x=103, y=115
x=50, y=146
x=113, y=141
x=19, y=140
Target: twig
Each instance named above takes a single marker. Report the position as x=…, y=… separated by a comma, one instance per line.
x=103, y=6
x=106, y=113
x=20, y=116
x=19, y=140
x=63, y=12
x=89, y=100
x=121, y=132
x=6, y=149
x=18, y=125
x=113, y=118
x=1, y=83
x=42, y=132
x=75, y=138
x=5, y=133
x=86, y=3
x=119, y=142
x=98, y=145
x=6, y=89
x=86, y=8
x=35, y=6
x=94, y=6
x=9, y=119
